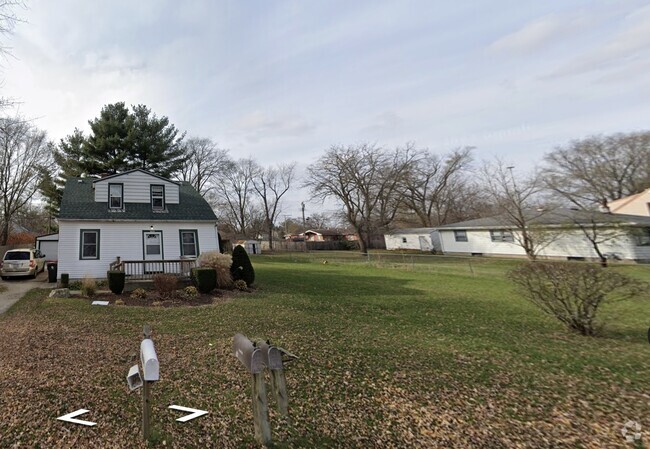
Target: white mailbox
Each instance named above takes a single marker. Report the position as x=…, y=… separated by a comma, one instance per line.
x=149, y=359
x=133, y=379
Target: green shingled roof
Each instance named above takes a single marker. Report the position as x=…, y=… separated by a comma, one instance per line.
x=78, y=203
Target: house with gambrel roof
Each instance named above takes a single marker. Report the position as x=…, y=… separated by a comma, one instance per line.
x=151, y=223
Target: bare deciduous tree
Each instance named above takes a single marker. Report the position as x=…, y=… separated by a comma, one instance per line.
x=8, y=20
x=24, y=155
x=435, y=184
x=599, y=169
x=367, y=180
x=271, y=184
x=234, y=195
x=520, y=203
x=205, y=162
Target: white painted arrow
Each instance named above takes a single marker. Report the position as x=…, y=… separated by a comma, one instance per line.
x=195, y=413
x=70, y=418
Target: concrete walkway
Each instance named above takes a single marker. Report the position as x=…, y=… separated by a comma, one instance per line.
x=17, y=287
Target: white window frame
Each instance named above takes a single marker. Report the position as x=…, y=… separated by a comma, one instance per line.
x=111, y=197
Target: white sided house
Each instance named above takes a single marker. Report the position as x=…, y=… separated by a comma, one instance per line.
x=420, y=239
x=148, y=223
x=621, y=237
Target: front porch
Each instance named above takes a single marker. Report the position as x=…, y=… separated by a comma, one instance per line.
x=142, y=270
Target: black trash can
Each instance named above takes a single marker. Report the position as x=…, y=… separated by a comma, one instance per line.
x=51, y=271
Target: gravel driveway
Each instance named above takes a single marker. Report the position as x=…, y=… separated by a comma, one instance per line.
x=17, y=287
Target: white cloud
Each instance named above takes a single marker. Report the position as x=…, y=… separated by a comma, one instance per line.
x=629, y=45
x=539, y=33
x=259, y=124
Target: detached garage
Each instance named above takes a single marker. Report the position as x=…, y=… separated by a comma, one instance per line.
x=422, y=239
x=49, y=245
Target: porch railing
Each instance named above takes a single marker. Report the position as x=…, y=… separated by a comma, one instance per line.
x=147, y=269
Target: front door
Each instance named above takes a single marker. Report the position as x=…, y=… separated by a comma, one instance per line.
x=424, y=244
x=153, y=245
x=153, y=250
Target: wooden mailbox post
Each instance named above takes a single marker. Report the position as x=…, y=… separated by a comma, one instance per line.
x=251, y=357
x=272, y=358
x=150, y=374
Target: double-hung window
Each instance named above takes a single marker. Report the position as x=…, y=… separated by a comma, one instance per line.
x=89, y=244
x=501, y=236
x=116, y=196
x=158, y=197
x=643, y=237
x=460, y=236
x=189, y=243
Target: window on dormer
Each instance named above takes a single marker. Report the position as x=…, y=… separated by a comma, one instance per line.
x=115, y=196
x=158, y=197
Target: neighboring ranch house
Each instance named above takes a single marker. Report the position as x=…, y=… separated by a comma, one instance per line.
x=638, y=204
x=629, y=236
x=137, y=216
x=422, y=239
x=327, y=235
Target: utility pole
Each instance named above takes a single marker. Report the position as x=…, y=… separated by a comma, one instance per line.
x=303, y=214
x=286, y=224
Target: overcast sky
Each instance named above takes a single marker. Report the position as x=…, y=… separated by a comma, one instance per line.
x=283, y=80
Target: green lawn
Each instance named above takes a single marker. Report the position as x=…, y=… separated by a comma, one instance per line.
x=398, y=352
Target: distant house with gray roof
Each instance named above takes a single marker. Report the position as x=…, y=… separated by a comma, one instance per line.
x=497, y=236
x=134, y=216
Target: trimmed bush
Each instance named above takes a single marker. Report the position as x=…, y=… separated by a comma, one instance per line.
x=241, y=267
x=65, y=280
x=165, y=284
x=191, y=291
x=205, y=279
x=240, y=284
x=139, y=293
x=220, y=263
x=572, y=292
x=116, y=281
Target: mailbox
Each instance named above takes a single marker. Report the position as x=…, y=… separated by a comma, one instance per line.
x=133, y=378
x=271, y=356
x=149, y=360
x=248, y=354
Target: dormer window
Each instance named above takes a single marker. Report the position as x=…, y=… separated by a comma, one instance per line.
x=158, y=197
x=115, y=196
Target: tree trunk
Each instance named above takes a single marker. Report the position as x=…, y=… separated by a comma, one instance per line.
x=270, y=228
x=4, y=234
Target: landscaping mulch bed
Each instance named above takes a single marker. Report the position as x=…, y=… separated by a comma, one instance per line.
x=155, y=299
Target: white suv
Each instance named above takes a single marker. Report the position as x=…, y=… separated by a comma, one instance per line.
x=22, y=262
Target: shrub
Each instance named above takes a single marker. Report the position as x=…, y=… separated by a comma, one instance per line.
x=165, y=284
x=221, y=264
x=116, y=281
x=88, y=286
x=139, y=293
x=205, y=279
x=65, y=280
x=573, y=292
x=191, y=291
x=240, y=284
x=75, y=285
x=241, y=267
